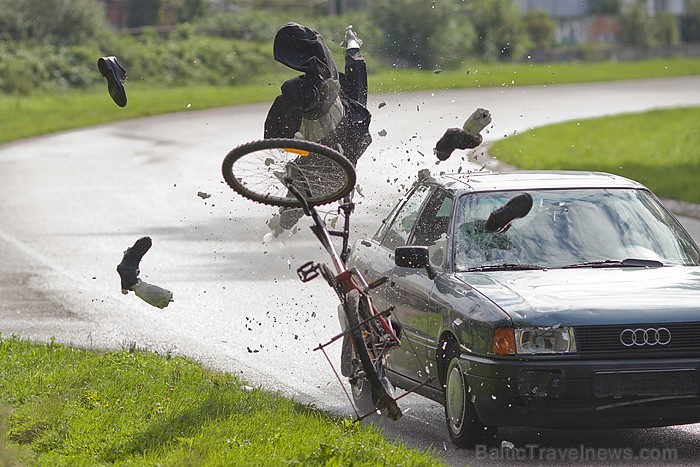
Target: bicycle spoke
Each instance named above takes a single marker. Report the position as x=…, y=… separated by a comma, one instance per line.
x=261, y=170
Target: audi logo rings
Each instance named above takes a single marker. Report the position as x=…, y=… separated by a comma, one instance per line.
x=649, y=336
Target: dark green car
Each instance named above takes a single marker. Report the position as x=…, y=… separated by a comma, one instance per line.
x=577, y=308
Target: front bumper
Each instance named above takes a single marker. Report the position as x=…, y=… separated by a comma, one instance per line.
x=569, y=393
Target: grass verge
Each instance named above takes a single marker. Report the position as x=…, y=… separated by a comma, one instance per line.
x=27, y=116
x=76, y=407
x=657, y=148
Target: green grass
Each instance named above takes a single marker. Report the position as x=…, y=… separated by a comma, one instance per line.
x=527, y=74
x=658, y=148
x=26, y=116
x=66, y=406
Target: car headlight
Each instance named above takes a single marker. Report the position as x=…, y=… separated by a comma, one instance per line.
x=558, y=339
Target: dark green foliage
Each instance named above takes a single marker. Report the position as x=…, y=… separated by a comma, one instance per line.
x=690, y=22
x=45, y=66
x=187, y=10
x=636, y=26
x=423, y=33
x=666, y=29
x=249, y=25
x=540, y=27
x=640, y=28
x=197, y=60
x=501, y=33
x=142, y=13
x=52, y=21
x=604, y=7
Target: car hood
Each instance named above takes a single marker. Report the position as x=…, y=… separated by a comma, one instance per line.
x=593, y=296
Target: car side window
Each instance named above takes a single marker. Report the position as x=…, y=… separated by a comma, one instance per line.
x=433, y=224
x=402, y=225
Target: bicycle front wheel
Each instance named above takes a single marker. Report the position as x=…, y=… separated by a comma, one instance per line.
x=262, y=171
x=367, y=379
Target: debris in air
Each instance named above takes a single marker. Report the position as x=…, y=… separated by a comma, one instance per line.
x=382, y=133
x=203, y=195
x=382, y=104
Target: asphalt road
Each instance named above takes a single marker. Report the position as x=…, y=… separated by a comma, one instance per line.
x=70, y=203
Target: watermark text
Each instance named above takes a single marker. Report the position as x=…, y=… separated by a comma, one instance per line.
x=535, y=452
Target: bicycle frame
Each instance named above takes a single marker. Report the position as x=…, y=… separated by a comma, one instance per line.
x=347, y=279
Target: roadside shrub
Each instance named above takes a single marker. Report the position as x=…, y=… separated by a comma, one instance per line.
x=636, y=26
x=54, y=21
x=540, y=27
x=198, y=60
x=690, y=22
x=501, y=32
x=46, y=67
x=424, y=34
x=201, y=60
x=249, y=25
x=592, y=51
x=666, y=29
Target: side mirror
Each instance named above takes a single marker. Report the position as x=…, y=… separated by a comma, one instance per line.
x=414, y=257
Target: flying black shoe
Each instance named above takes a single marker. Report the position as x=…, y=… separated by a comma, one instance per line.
x=128, y=269
x=501, y=218
x=115, y=74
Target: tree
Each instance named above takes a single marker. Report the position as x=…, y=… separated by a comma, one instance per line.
x=56, y=21
x=690, y=22
x=636, y=26
x=142, y=13
x=540, y=27
x=604, y=7
x=666, y=29
x=501, y=35
x=188, y=10
x=423, y=33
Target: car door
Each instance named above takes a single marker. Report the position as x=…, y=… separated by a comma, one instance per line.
x=374, y=257
x=410, y=289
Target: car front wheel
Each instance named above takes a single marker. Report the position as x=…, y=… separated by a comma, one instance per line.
x=463, y=424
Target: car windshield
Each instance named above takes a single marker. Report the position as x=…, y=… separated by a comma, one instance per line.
x=565, y=228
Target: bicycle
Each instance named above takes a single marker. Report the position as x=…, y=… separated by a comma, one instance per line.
x=297, y=173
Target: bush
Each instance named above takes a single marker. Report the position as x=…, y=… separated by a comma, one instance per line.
x=540, y=27
x=46, y=67
x=197, y=60
x=501, y=32
x=427, y=34
x=690, y=22
x=249, y=25
x=636, y=26
x=54, y=21
x=666, y=29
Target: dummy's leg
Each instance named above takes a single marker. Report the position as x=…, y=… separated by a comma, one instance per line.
x=355, y=85
x=129, y=272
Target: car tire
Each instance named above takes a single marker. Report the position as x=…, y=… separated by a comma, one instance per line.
x=463, y=424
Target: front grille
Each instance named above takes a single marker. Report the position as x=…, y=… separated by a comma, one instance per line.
x=591, y=340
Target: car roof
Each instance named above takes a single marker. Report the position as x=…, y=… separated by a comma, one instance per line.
x=532, y=180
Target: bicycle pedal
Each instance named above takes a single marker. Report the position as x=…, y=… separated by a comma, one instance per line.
x=377, y=283
x=308, y=271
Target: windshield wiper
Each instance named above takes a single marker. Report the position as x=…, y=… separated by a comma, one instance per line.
x=505, y=267
x=617, y=263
